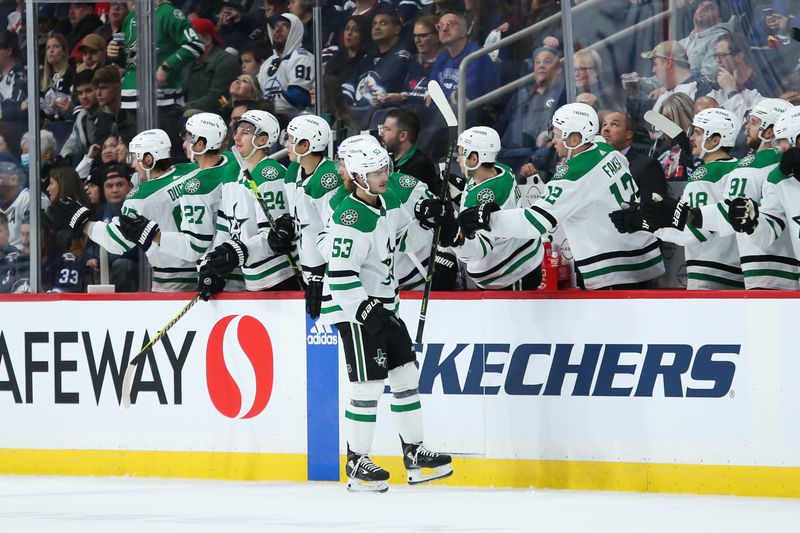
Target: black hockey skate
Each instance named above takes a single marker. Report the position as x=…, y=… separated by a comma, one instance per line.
x=417, y=457
x=363, y=475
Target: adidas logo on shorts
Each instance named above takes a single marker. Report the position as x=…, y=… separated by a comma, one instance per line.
x=322, y=334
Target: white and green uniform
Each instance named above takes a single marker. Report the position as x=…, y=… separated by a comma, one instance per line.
x=495, y=262
x=712, y=260
x=414, y=247
x=779, y=212
x=582, y=193
x=157, y=200
x=312, y=200
x=359, y=246
x=178, y=45
x=771, y=267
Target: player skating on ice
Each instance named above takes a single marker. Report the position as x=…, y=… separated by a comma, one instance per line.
x=361, y=298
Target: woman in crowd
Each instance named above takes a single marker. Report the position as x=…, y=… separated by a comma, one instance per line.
x=426, y=39
x=356, y=38
x=63, y=264
x=56, y=86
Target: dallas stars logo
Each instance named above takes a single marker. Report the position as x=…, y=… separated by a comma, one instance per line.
x=699, y=173
x=349, y=217
x=485, y=196
x=269, y=173
x=408, y=182
x=192, y=186
x=746, y=160
x=133, y=192
x=561, y=171
x=380, y=358
x=329, y=181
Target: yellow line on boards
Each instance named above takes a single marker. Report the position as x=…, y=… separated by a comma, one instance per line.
x=200, y=465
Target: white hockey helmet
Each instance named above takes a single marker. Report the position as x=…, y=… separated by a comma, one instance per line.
x=264, y=123
x=353, y=142
x=209, y=126
x=768, y=110
x=154, y=142
x=717, y=121
x=482, y=140
x=364, y=158
x=310, y=128
x=576, y=118
x=788, y=126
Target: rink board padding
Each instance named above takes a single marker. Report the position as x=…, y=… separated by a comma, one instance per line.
x=663, y=391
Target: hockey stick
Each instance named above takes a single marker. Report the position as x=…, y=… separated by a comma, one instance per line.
x=261, y=202
x=674, y=132
x=441, y=103
x=127, y=381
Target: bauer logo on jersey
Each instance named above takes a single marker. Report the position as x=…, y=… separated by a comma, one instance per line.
x=133, y=192
x=192, y=186
x=349, y=217
x=329, y=181
x=485, y=196
x=746, y=160
x=561, y=171
x=269, y=173
x=699, y=173
x=409, y=182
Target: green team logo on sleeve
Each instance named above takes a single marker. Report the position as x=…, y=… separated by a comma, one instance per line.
x=192, y=186
x=699, y=173
x=178, y=14
x=561, y=171
x=746, y=160
x=133, y=192
x=329, y=181
x=349, y=217
x=409, y=182
x=485, y=196
x=269, y=173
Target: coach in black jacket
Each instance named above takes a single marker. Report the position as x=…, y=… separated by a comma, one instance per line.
x=646, y=171
x=399, y=136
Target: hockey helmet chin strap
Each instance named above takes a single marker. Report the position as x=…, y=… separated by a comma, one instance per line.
x=466, y=166
x=146, y=169
x=571, y=149
x=357, y=180
x=704, y=152
x=194, y=154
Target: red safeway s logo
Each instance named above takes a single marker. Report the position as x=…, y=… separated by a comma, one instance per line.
x=239, y=364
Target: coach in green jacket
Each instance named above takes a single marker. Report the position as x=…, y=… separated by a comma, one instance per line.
x=211, y=74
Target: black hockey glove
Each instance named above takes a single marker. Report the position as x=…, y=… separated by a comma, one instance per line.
x=69, y=214
x=378, y=321
x=226, y=257
x=138, y=229
x=476, y=218
x=209, y=281
x=314, y=291
x=281, y=237
x=790, y=162
x=628, y=219
x=743, y=214
x=432, y=211
x=664, y=213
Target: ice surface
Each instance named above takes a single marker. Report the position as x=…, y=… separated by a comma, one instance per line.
x=120, y=505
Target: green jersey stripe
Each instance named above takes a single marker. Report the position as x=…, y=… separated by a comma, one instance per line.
x=622, y=268
x=174, y=280
x=345, y=286
x=326, y=310
x=535, y=223
x=771, y=272
x=709, y=277
x=262, y=275
x=516, y=265
x=700, y=237
x=117, y=239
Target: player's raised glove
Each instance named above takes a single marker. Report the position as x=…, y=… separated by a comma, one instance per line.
x=432, y=211
x=69, y=214
x=316, y=276
x=138, y=229
x=790, y=162
x=209, y=281
x=628, y=219
x=667, y=212
x=227, y=256
x=281, y=237
x=476, y=218
x=743, y=214
x=378, y=321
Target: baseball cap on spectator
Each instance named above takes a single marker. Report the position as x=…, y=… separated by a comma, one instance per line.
x=93, y=42
x=206, y=27
x=116, y=170
x=668, y=50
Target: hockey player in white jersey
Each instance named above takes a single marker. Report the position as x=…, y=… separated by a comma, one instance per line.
x=245, y=239
x=779, y=211
x=288, y=75
x=592, y=182
x=361, y=298
x=712, y=260
x=492, y=262
x=155, y=198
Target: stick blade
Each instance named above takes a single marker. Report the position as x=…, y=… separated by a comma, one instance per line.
x=440, y=101
x=663, y=124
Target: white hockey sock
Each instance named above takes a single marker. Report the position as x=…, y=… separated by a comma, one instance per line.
x=361, y=415
x=405, y=403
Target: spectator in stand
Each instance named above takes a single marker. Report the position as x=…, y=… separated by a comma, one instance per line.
x=253, y=56
x=117, y=11
x=342, y=66
x=362, y=8
x=704, y=102
x=14, y=199
x=527, y=13
x=92, y=125
x=109, y=97
x=482, y=75
x=94, y=189
x=699, y=44
x=211, y=74
x=302, y=10
x=677, y=160
x=617, y=129
x=108, y=152
x=671, y=68
x=426, y=39
x=9, y=143
x=234, y=28
x=124, y=273
x=288, y=75
x=589, y=81
x=244, y=87
x=93, y=53
x=13, y=82
x=80, y=22
x=399, y=135
x=482, y=16
x=48, y=149
x=9, y=258
x=275, y=7
x=57, y=76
